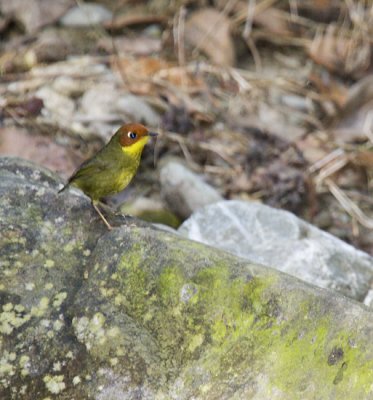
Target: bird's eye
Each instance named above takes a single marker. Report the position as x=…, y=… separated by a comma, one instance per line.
x=132, y=135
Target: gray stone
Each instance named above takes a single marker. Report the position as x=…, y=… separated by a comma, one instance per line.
x=105, y=108
x=57, y=107
x=279, y=239
x=86, y=14
x=137, y=313
x=134, y=108
x=34, y=14
x=183, y=190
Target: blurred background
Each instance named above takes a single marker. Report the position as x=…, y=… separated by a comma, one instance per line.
x=265, y=100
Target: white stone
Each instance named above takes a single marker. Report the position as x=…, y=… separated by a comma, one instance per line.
x=183, y=190
x=85, y=14
x=281, y=240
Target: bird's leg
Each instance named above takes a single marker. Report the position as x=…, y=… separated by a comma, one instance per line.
x=101, y=216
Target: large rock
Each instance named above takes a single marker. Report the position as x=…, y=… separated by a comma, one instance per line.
x=138, y=313
x=279, y=239
x=183, y=190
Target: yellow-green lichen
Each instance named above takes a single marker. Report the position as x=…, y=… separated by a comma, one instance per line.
x=95, y=333
x=25, y=364
x=237, y=322
x=57, y=366
x=70, y=246
x=41, y=308
x=30, y=286
x=48, y=286
x=12, y=317
x=59, y=298
x=54, y=383
x=49, y=263
x=7, y=365
x=86, y=252
x=58, y=325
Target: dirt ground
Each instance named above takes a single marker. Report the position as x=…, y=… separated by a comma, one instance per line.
x=270, y=100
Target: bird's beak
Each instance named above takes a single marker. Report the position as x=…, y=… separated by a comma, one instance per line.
x=153, y=134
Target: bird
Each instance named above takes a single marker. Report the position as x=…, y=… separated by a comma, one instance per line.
x=112, y=168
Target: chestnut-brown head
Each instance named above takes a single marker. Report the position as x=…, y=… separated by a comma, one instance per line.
x=133, y=138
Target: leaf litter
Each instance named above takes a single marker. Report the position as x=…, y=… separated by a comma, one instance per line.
x=270, y=100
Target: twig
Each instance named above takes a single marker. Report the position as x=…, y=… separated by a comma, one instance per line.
x=327, y=159
x=331, y=169
x=368, y=126
x=179, y=30
x=254, y=51
x=348, y=205
x=249, y=19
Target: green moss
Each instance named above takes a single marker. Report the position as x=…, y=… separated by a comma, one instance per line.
x=135, y=283
x=161, y=217
x=211, y=308
x=239, y=326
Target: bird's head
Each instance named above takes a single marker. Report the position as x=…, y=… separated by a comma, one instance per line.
x=133, y=138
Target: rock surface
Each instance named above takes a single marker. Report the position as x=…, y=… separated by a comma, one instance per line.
x=138, y=313
x=279, y=239
x=183, y=190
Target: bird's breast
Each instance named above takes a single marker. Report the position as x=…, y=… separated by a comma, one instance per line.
x=125, y=174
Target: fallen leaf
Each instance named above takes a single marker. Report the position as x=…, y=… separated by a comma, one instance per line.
x=137, y=69
x=124, y=21
x=356, y=117
x=181, y=77
x=322, y=10
x=274, y=21
x=209, y=31
x=312, y=148
x=363, y=158
x=330, y=88
x=341, y=53
x=26, y=108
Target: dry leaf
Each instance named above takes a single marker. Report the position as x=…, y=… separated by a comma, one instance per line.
x=330, y=88
x=209, y=31
x=312, y=148
x=26, y=108
x=356, y=122
x=322, y=10
x=349, y=56
x=359, y=94
x=363, y=158
x=124, y=21
x=274, y=21
x=140, y=68
x=181, y=77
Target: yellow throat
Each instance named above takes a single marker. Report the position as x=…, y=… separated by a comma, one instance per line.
x=135, y=149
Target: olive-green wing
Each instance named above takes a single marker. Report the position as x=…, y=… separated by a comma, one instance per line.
x=89, y=168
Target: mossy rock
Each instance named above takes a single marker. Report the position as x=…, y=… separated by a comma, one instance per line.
x=138, y=313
